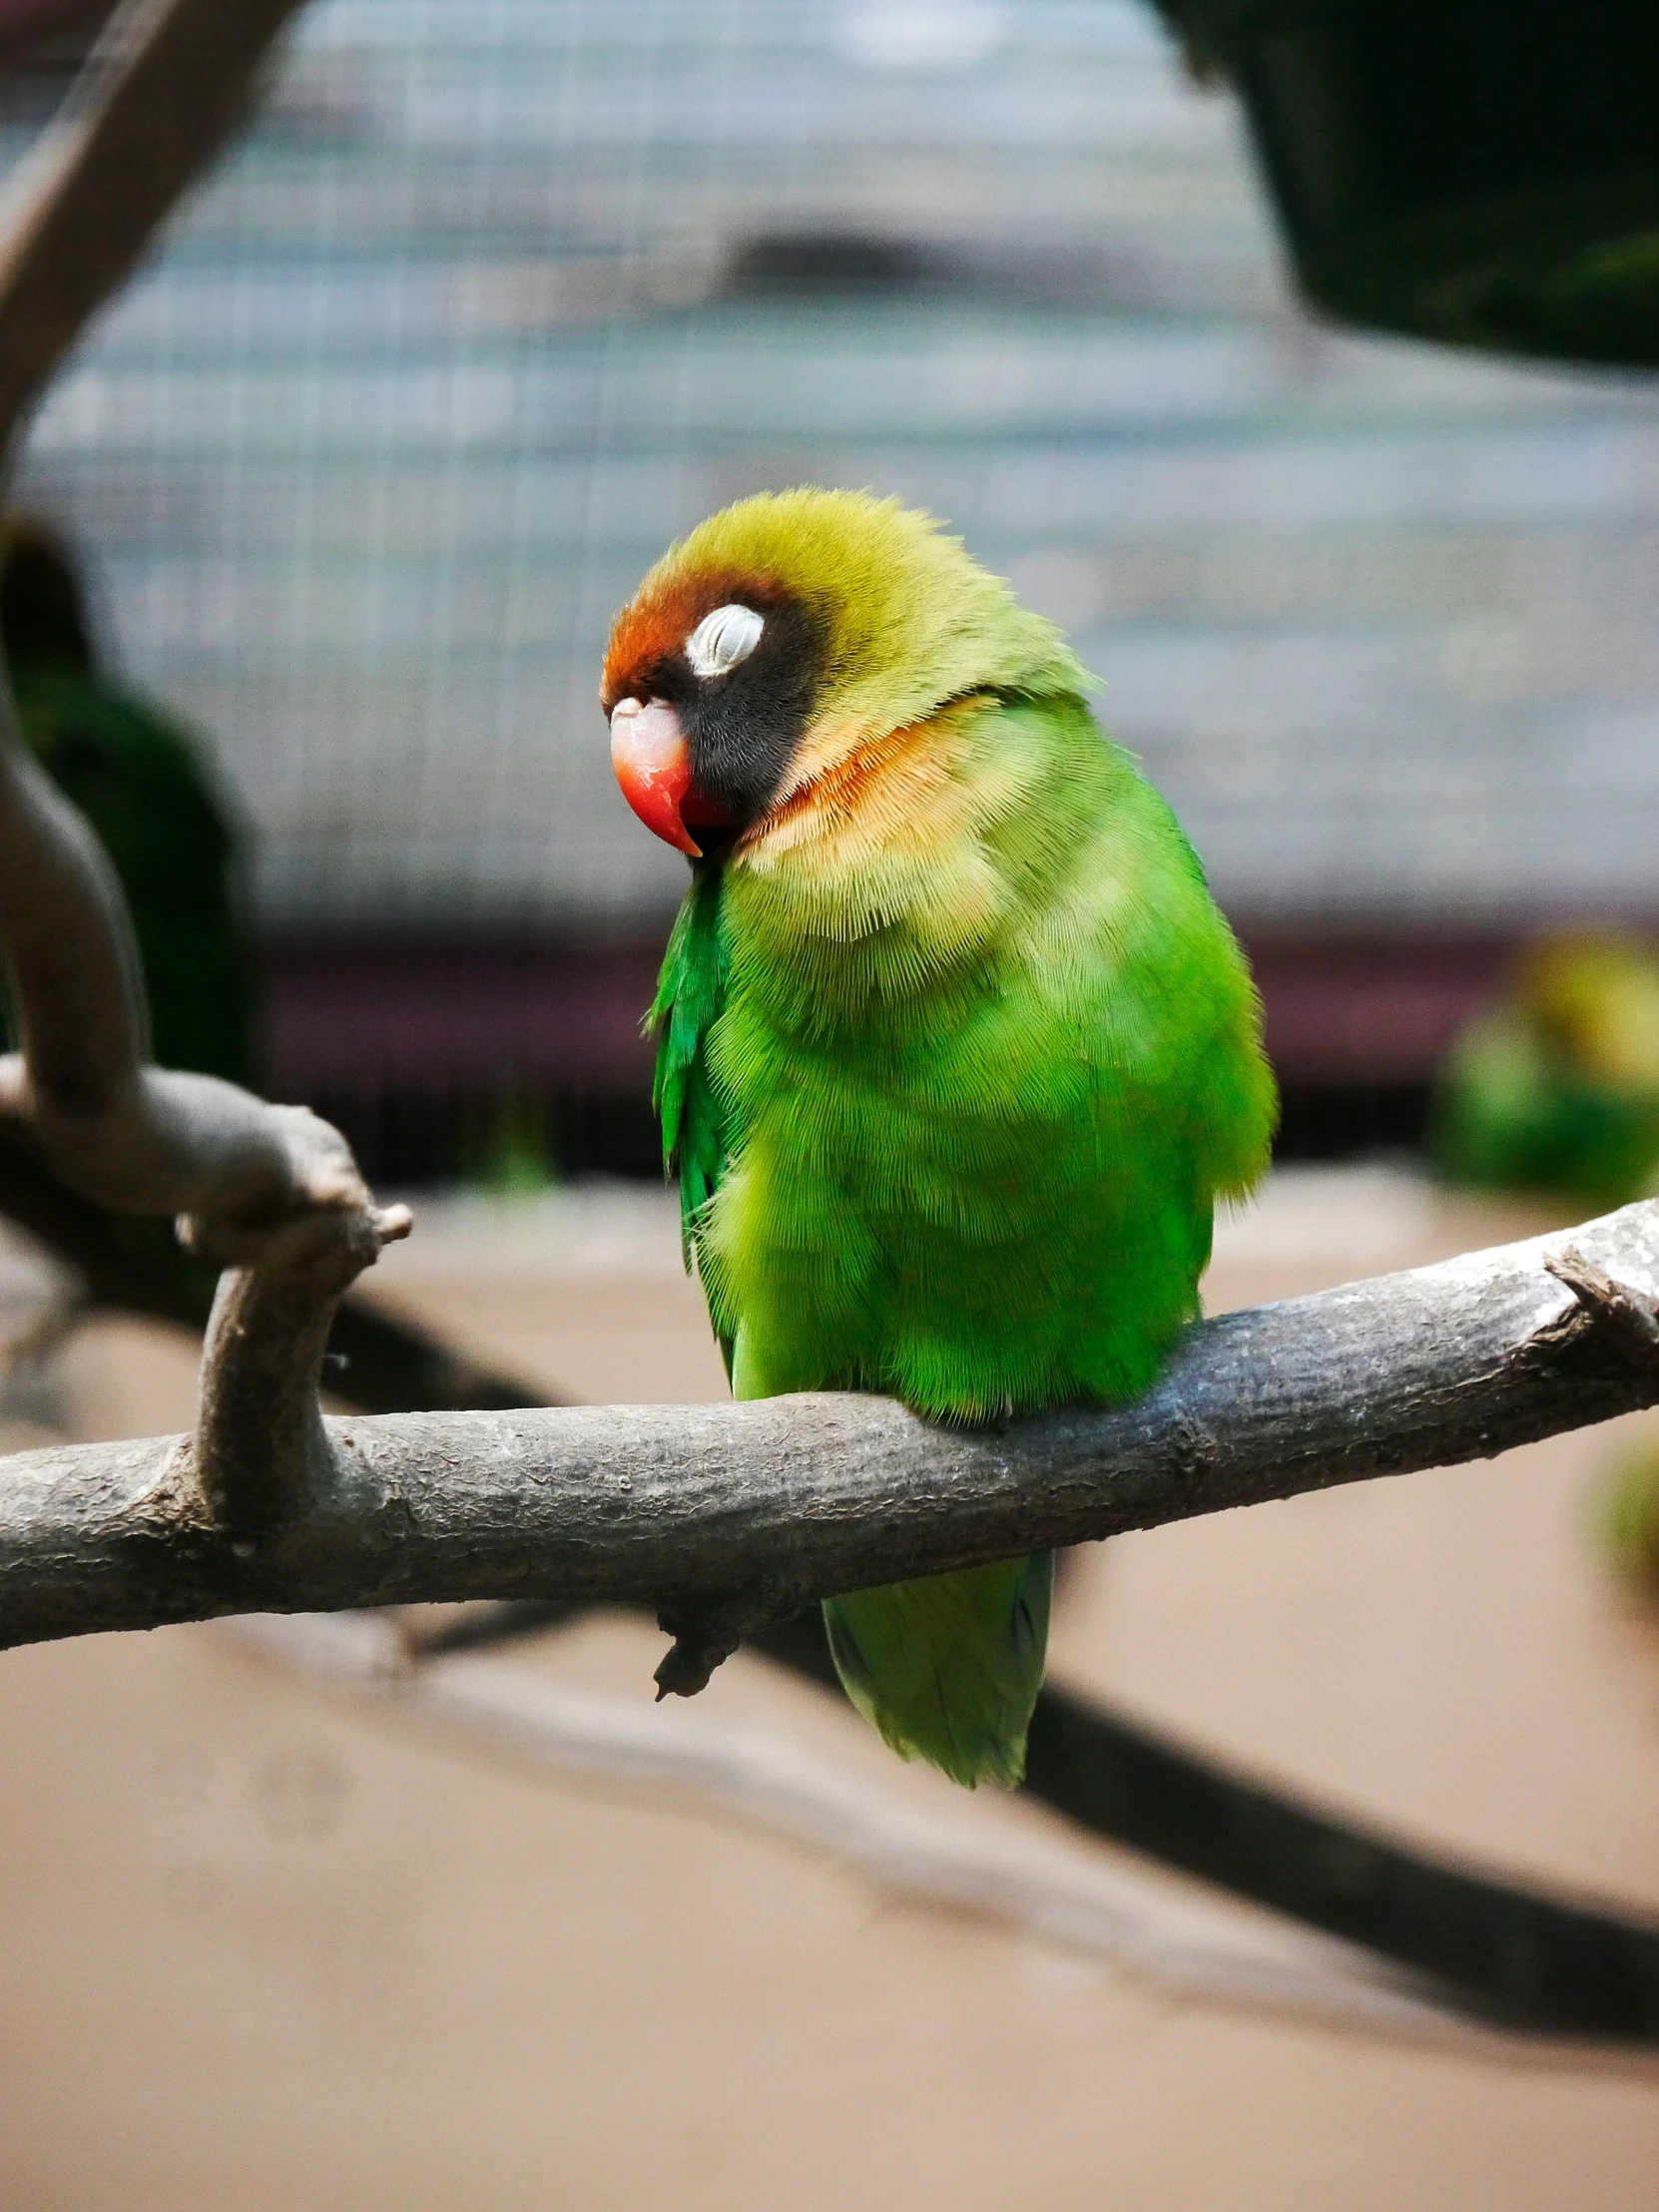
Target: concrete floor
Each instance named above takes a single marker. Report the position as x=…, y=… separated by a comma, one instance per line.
x=262, y=1949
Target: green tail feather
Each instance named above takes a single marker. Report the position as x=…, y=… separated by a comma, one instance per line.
x=948, y=1669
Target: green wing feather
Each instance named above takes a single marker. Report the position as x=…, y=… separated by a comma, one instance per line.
x=691, y=990
x=989, y=1624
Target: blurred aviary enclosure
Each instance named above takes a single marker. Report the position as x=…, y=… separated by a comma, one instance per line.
x=496, y=296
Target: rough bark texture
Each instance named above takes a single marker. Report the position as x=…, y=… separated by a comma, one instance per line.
x=733, y=1514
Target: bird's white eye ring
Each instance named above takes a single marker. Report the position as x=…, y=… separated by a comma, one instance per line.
x=723, y=639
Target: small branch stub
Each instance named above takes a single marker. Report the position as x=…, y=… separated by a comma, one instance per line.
x=1625, y=1315
x=704, y=1639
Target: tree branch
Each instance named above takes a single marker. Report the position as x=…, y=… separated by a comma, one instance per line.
x=748, y=1512
x=165, y=85
x=269, y=1192
x=376, y=1362
x=723, y=1520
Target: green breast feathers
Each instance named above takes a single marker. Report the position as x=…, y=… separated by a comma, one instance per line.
x=966, y=1153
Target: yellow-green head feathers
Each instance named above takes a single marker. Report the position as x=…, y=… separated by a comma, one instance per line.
x=910, y=619
x=880, y=616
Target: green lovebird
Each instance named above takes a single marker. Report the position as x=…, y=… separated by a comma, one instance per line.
x=150, y=798
x=955, y=1053
x=1554, y=1086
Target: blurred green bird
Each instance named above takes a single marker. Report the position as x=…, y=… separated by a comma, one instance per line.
x=1627, y=1516
x=151, y=796
x=1555, y=1087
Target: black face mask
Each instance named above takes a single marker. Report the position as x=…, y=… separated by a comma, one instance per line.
x=743, y=729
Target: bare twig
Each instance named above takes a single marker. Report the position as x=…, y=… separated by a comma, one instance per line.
x=165, y=85
x=1175, y=1948
x=271, y=1192
x=758, y=1508
x=377, y=1362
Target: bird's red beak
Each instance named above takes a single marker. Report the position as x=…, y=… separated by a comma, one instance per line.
x=653, y=766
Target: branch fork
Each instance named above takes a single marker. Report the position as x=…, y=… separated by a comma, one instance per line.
x=270, y=1192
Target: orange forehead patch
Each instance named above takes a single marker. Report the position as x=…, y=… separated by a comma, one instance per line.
x=661, y=616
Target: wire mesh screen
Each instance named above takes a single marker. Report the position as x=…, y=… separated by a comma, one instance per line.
x=496, y=299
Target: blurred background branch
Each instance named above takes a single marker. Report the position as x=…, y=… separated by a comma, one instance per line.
x=1490, y=1948
x=165, y=85
x=1546, y=2001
